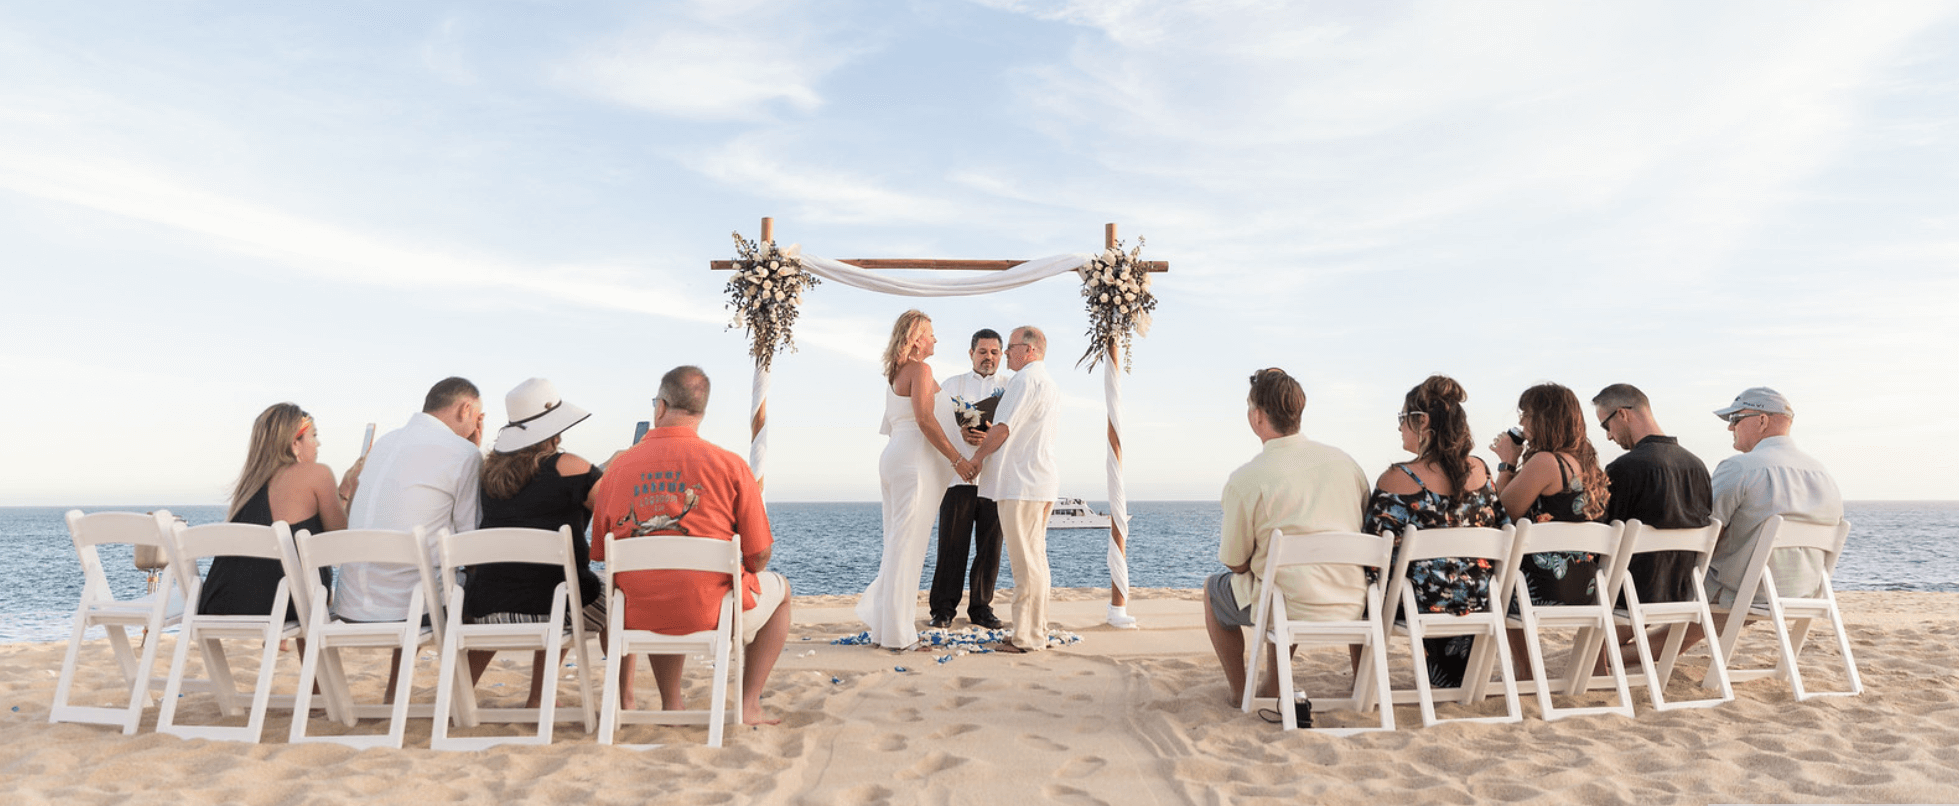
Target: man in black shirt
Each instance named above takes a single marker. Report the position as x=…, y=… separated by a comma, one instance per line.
x=1659, y=483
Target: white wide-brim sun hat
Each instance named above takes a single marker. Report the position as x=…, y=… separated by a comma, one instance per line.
x=537, y=413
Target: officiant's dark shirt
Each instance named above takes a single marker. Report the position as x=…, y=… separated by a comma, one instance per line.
x=1665, y=486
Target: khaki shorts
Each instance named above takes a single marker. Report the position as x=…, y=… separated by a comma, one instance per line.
x=774, y=589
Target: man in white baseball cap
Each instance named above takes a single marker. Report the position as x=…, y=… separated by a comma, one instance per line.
x=1769, y=477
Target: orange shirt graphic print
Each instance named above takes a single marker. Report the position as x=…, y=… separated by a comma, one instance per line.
x=659, y=494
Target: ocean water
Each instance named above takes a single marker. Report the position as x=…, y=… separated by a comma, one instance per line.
x=828, y=548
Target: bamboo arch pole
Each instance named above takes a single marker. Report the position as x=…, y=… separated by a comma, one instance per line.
x=1118, y=500
x=758, y=401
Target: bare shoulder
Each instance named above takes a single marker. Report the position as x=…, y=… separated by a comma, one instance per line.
x=1394, y=480
x=309, y=474
x=571, y=464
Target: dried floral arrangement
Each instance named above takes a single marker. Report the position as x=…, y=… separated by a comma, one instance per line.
x=1117, y=288
x=767, y=288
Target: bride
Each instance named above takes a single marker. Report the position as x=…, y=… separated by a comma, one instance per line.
x=917, y=465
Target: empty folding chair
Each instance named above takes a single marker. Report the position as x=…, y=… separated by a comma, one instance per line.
x=1592, y=621
x=565, y=623
x=721, y=644
x=207, y=632
x=100, y=607
x=1486, y=625
x=1780, y=535
x=326, y=635
x=1677, y=617
x=1271, y=625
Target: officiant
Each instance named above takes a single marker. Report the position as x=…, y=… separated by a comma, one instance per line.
x=968, y=522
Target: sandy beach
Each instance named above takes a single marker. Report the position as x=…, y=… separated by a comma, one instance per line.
x=1124, y=716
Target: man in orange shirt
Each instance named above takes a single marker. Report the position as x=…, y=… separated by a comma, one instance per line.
x=675, y=483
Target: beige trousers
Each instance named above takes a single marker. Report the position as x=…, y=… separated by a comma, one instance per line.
x=1024, y=528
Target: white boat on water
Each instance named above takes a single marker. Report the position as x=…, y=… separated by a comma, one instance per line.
x=1074, y=513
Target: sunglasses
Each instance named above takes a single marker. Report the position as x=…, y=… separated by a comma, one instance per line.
x=1737, y=417
x=1402, y=418
x=1607, y=422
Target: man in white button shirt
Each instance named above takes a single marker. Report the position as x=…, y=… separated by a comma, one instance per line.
x=426, y=474
x=1025, y=484
x=966, y=518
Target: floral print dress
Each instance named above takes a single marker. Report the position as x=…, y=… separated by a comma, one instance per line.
x=1442, y=585
x=1560, y=577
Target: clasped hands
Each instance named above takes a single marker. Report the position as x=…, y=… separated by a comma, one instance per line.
x=967, y=469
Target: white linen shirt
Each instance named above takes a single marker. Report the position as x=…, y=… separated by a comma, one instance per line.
x=1773, y=479
x=1025, y=462
x=420, y=474
x=974, y=388
x=1299, y=486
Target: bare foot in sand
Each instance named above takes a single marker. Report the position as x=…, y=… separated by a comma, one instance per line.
x=751, y=714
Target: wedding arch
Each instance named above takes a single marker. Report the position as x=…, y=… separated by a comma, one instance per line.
x=769, y=283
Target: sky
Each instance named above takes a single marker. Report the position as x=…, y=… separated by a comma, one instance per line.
x=207, y=208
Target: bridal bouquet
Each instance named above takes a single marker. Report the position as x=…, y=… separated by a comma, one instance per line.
x=1119, y=302
x=970, y=414
x=768, y=285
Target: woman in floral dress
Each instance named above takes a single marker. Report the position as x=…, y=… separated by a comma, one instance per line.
x=1443, y=487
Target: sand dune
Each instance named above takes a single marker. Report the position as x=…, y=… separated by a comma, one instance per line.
x=1123, y=717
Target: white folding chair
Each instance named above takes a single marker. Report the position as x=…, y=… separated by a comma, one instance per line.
x=100, y=607
x=1271, y=626
x=326, y=635
x=1780, y=535
x=519, y=546
x=207, y=632
x=722, y=644
x=1640, y=616
x=1487, y=626
x=1592, y=621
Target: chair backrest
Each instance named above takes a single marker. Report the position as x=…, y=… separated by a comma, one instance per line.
x=1592, y=538
x=506, y=545
x=194, y=543
x=1327, y=548
x=1826, y=537
x=328, y=549
x=133, y=528
x=1462, y=542
x=670, y=553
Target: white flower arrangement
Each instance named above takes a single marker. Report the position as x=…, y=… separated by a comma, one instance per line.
x=1117, y=287
x=768, y=285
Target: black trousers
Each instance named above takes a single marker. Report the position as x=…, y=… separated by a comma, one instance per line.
x=966, y=521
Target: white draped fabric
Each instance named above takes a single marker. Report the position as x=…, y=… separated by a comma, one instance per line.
x=959, y=286
x=972, y=285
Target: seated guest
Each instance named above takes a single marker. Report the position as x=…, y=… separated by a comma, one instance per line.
x=1444, y=487
x=1296, y=485
x=1557, y=478
x=529, y=483
x=1553, y=475
x=1770, y=477
x=675, y=483
x=283, y=480
x=1657, y=483
x=422, y=474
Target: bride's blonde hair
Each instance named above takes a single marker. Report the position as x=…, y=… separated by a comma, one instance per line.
x=898, y=352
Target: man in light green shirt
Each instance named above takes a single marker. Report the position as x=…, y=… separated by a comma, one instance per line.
x=1295, y=485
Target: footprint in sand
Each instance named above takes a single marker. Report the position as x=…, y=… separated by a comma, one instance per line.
x=865, y=795
x=1059, y=793
x=905, y=715
x=957, y=703
x=891, y=743
x=933, y=762
x=1043, y=743
x=1082, y=767
x=950, y=731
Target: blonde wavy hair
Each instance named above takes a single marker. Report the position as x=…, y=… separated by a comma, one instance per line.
x=272, y=437
x=898, y=351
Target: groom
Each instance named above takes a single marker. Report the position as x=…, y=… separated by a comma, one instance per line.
x=1025, y=485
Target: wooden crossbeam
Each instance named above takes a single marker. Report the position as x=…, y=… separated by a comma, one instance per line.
x=936, y=264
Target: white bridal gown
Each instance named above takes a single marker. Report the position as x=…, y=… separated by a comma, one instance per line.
x=914, y=479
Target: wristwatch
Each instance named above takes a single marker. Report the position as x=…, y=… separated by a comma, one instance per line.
x=1505, y=467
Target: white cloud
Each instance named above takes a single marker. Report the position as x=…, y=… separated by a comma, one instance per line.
x=715, y=61
x=755, y=164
